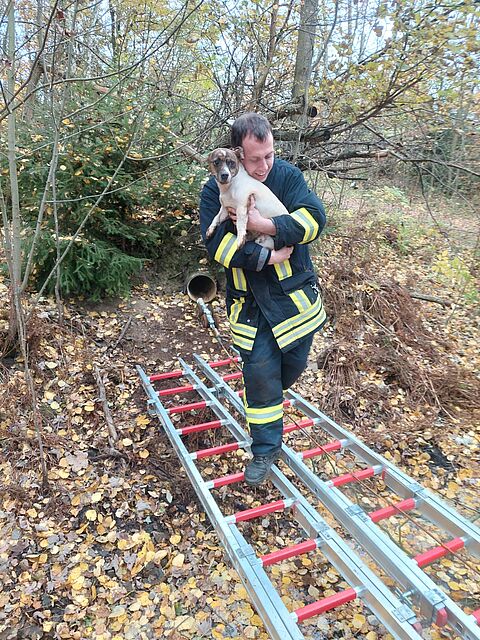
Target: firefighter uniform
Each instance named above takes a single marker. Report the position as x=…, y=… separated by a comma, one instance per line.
x=273, y=310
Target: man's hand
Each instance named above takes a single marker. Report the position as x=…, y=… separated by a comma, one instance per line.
x=276, y=257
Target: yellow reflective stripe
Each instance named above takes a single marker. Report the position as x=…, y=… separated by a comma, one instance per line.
x=284, y=269
x=265, y=415
x=294, y=321
x=239, y=280
x=226, y=249
x=243, y=329
x=235, y=310
x=308, y=222
x=302, y=331
x=301, y=300
x=243, y=343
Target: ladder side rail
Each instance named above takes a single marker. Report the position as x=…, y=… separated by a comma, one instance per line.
x=429, y=504
x=274, y=614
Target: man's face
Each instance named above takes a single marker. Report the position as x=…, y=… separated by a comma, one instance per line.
x=258, y=156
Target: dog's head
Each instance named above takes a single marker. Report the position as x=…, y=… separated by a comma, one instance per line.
x=223, y=164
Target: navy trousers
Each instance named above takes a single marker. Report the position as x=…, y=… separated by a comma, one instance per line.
x=267, y=373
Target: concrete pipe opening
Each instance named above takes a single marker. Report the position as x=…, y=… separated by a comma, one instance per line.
x=201, y=285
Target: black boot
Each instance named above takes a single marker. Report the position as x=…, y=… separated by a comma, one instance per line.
x=258, y=469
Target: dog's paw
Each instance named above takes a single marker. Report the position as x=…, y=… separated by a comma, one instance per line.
x=210, y=231
x=240, y=241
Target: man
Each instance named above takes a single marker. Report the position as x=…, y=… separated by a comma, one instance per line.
x=273, y=303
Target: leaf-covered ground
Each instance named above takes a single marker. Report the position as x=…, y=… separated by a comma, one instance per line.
x=120, y=548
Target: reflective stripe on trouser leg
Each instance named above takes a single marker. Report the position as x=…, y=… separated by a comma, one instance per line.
x=262, y=375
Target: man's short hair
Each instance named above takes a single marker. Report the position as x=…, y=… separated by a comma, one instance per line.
x=249, y=124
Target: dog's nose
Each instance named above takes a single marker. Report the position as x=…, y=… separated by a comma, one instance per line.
x=224, y=177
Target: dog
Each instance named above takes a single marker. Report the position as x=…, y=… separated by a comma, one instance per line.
x=236, y=187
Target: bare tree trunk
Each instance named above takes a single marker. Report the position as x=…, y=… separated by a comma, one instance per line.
x=305, y=44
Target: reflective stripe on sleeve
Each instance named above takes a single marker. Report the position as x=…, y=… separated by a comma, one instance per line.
x=283, y=270
x=308, y=222
x=226, y=249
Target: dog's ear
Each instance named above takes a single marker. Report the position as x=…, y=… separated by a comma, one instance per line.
x=238, y=151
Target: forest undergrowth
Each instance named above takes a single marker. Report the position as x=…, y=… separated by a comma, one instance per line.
x=119, y=547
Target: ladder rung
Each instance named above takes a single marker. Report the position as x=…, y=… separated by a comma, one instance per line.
x=335, y=445
x=224, y=480
x=355, y=476
x=173, y=390
x=232, y=376
x=292, y=426
x=289, y=552
x=325, y=604
x=262, y=510
x=187, y=407
x=393, y=510
x=215, y=451
x=476, y=615
x=165, y=376
x=222, y=363
x=427, y=557
x=202, y=426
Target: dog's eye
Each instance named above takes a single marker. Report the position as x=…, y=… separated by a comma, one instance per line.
x=216, y=162
x=230, y=164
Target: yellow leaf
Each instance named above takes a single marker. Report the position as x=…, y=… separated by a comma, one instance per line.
x=184, y=623
x=51, y=365
x=127, y=442
x=175, y=539
x=89, y=406
x=358, y=621
x=49, y=395
x=178, y=560
x=91, y=515
x=454, y=585
x=96, y=497
x=142, y=420
x=54, y=405
x=144, y=453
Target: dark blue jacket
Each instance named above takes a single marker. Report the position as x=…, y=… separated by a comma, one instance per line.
x=286, y=294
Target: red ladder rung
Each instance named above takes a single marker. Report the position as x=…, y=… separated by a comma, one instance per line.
x=289, y=552
x=292, y=426
x=173, y=390
x=393, y=510
x=262, y=510
x=215, y=451
x=187, y=407
x=232, y=376
x=476, y=615
x=355, y=477
x=325, y=604
x=427, y=557
x=165, y=376
x=224, y=480
x=222, y=363
x=202, y=426
x=335, y=445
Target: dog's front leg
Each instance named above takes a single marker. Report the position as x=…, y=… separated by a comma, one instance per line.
x=221, y=216
x=242, y=217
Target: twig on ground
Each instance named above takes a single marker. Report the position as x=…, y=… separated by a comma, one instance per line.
x=112, y=432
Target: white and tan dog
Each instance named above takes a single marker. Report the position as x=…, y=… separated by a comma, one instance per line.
x=236, y=187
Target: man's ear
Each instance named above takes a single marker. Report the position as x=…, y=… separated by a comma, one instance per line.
x=238, y=151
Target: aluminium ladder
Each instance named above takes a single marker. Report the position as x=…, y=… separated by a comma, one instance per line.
x=416, y=602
